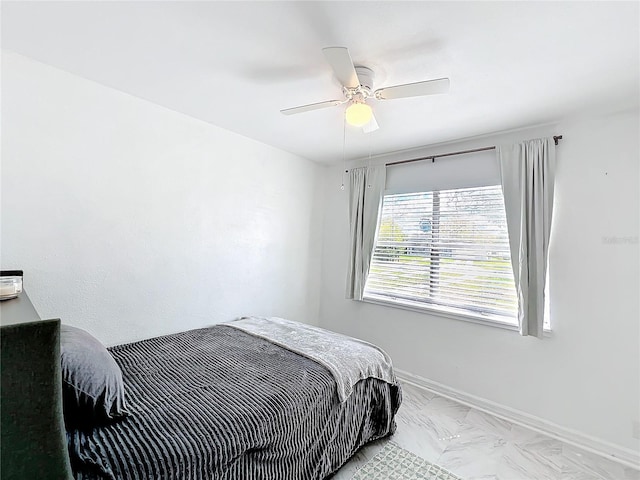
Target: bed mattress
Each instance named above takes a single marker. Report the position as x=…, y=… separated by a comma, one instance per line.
x=219, y=403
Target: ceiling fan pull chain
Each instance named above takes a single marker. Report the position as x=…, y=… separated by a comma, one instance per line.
x=369, y=162
x=344, y=141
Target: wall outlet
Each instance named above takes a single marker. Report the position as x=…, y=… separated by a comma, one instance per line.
x=635, y=429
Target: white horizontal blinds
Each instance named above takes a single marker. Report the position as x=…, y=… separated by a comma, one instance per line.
x=447, y=249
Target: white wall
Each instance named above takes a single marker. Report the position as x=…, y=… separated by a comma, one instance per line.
x=586, y=376
x=131, y=220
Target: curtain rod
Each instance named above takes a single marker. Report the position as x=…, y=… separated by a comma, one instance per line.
x=433, y=157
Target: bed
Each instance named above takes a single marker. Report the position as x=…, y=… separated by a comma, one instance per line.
x=212, y=403
x=223, y=403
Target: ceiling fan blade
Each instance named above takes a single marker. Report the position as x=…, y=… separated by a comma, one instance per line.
x=340, y=61
x=312, y=106
x=429, y=87
x=372, y=126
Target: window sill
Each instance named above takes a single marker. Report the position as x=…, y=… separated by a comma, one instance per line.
x=451, y=315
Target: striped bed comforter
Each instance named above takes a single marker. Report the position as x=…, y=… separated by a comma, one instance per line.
x=219, y=403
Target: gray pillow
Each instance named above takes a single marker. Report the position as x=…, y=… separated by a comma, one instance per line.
x=92, y=386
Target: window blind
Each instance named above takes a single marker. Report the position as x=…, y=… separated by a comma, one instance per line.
x=445, y=249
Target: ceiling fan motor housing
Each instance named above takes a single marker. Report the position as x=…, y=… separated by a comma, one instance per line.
x=364, y=90
x=365, y=76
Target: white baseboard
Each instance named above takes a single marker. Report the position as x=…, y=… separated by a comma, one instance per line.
x=625, y=456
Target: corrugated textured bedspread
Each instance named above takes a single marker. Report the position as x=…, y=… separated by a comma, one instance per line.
x=218, y=403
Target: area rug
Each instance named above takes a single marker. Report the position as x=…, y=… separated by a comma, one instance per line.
x=395, y=463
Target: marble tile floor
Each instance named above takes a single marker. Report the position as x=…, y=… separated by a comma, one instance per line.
x=478, y=446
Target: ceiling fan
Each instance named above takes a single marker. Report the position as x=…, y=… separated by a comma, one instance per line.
x=357, y=89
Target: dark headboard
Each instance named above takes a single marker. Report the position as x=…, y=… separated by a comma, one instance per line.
x=32, y=436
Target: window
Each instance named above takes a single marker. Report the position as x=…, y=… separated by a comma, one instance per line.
x=445, y=250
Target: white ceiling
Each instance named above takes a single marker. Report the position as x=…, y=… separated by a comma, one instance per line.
x=236, y=64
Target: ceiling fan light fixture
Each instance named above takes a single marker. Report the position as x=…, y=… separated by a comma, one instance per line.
x=358, y=114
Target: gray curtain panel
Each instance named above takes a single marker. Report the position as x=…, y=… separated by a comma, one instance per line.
x=527, y=171
x=366, y=187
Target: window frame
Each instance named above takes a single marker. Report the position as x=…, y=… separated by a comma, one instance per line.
x=429, y=310
x=435, y=309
